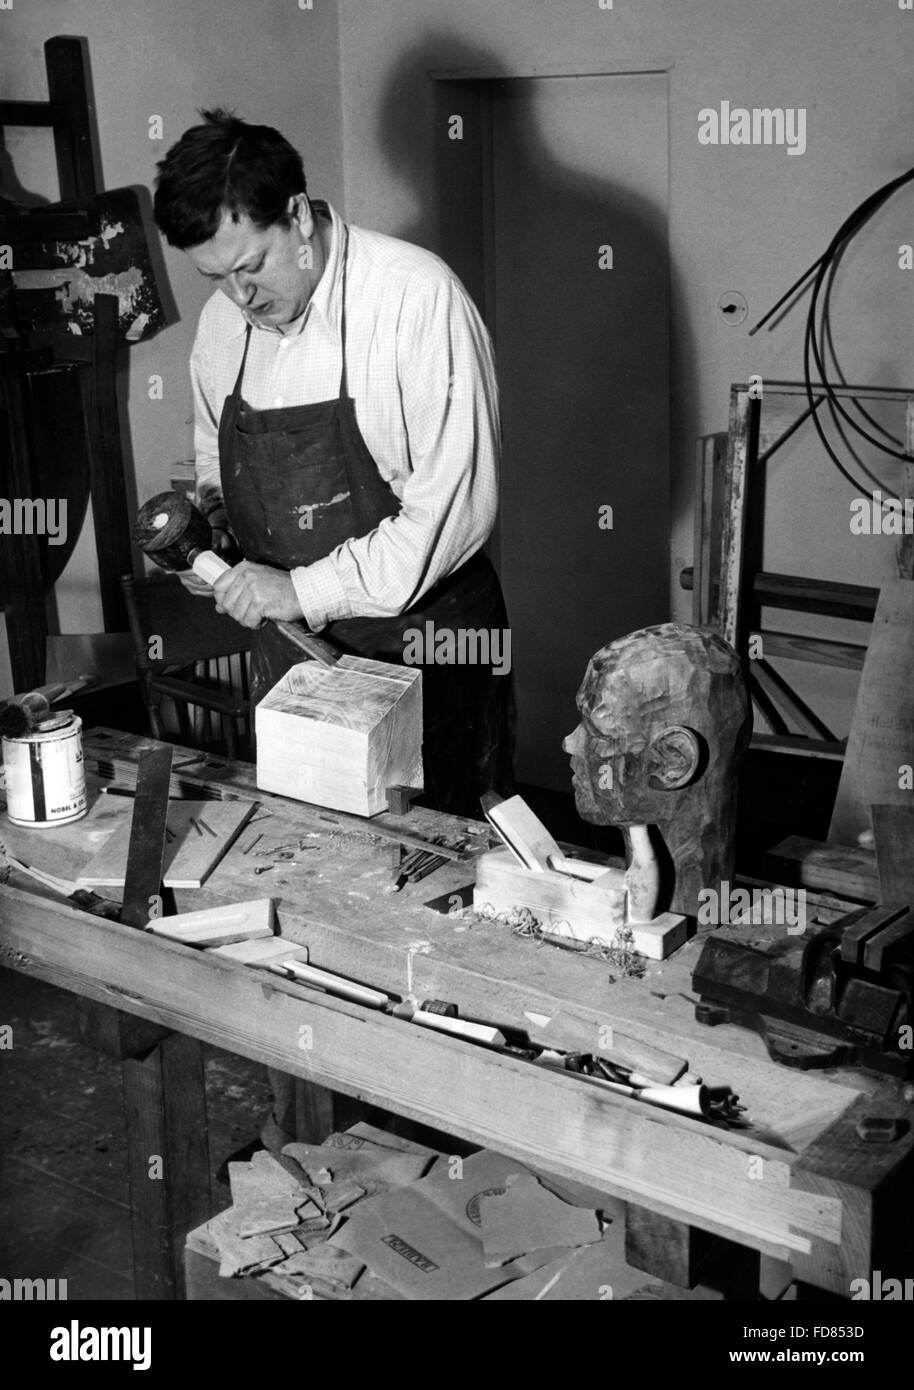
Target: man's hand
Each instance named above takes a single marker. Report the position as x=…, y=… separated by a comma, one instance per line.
x=249, y=593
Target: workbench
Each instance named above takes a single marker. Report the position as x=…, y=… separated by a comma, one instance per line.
x=799, y=1186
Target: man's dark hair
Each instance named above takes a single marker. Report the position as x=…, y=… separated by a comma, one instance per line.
x=225, y=164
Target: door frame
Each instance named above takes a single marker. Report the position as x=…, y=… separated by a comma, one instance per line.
x=465, y=201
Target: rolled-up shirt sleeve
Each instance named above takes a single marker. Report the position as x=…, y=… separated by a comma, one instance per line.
x=449, y=404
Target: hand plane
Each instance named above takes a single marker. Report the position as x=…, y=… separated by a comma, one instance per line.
x=840, y=995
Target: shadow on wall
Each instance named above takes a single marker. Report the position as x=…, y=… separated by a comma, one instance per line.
x=597, y=371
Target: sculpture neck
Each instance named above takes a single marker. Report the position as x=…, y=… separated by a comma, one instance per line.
x=700, y=848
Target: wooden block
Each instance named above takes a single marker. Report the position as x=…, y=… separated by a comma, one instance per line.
x=572, y=907
x=845, y=869
x=881, y=739
x=218, y=926
x=341, y=737
x=190, y=856
x=262, y=952
x=685, y=1256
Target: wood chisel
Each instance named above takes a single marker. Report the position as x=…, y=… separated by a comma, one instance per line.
x=146, y=855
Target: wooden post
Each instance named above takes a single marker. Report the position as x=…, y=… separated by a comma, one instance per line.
x=742, y=449
x=685, y=1256
x=21, y=581
x=68, y=87
x=168, y=1160
x=320, y=1111
x=106, y=468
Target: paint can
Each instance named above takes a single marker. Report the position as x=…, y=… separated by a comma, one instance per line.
x=44, y=773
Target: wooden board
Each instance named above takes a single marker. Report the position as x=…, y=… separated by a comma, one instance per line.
x=881, y=740
x=189, y=858
x=341, y=736
x=218, y=926
x=893, y=827
x=263, y=953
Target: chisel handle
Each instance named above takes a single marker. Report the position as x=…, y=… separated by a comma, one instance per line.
x=210, y=566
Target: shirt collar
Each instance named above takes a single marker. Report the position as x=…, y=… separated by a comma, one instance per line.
x=325, y=301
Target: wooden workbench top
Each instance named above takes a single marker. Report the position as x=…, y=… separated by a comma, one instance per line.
x=337, y=899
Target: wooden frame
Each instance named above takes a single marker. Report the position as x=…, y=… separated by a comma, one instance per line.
x=729, y=589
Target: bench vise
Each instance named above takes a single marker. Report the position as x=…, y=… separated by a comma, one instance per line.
x=840, y=995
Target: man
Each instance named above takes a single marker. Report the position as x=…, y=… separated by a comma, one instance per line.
x=346, y=436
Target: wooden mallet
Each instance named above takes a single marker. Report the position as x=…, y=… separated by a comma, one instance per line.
x=177, y=536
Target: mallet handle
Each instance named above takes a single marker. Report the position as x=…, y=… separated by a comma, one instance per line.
x=210, y=566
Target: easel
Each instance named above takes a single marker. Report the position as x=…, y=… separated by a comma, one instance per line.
x=89, y=393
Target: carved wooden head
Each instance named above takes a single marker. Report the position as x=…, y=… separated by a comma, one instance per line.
x=665, y=717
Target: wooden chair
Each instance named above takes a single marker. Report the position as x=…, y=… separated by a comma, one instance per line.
x=191, y=654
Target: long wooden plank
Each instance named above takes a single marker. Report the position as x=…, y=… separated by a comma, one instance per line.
x=190, y=855
x=881, y=742
x=673, y=1165
x=742, y=442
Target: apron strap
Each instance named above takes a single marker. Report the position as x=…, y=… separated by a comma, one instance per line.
x=344, y=389
x=236, y=392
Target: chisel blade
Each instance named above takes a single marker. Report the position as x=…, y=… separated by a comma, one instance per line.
x=146, y=854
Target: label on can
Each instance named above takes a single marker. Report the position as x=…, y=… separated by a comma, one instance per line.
x=45, y=776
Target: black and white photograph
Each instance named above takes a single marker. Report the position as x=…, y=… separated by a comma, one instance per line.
x=456, y=673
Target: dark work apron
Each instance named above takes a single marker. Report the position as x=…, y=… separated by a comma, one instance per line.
x=297, y=481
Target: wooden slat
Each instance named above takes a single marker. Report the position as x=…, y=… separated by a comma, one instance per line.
x=742, y=443
x=68, y=88
x=37, y=226
x=798, y=747
x=106, y=468
x=893, y=830
x=22, y=595
x=797, y=647
x=190, y=856
x=904, y=549
x=822, y=596
x=33, y=113
x=709, y=476
x=881, y=740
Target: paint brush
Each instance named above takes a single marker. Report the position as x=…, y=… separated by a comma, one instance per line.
x=20, y=715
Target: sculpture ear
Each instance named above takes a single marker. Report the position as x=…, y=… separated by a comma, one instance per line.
x=674, y=757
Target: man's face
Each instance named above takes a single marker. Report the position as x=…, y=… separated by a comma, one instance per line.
x=261, y=269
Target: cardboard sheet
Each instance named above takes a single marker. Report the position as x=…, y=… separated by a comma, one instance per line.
x=425, y=1240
